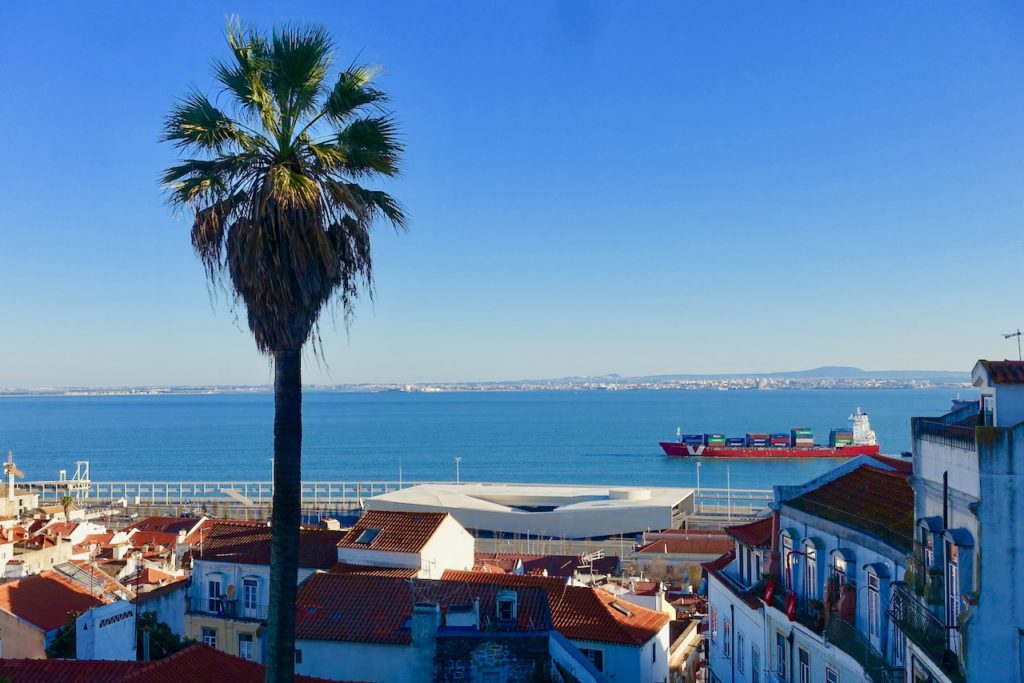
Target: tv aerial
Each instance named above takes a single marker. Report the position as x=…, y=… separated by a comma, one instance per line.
x=1017, y=335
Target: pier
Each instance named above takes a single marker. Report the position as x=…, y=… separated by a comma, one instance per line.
x=237, y=499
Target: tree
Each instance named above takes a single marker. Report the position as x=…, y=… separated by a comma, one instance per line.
x=64, y=643
x=66, y=502
x=163, y=642
x=280, y=219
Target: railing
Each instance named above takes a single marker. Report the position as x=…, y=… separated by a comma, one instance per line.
x=809, y=613
x=926, y=630
x=847, y=638
x=917, y=569
x=881, y=531
x=948, y=435
x=226, y=608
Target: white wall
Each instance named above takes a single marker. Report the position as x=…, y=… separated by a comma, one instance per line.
x=743, y=619
x=632, y=664
x=106, y=632
x=378, y=558
x=451, y=547
x=169, y=608
x=373, y=663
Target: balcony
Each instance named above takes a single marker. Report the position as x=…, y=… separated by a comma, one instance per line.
x=808, y=613
x=925, y=630
x=936, y=431
x=847, y=638
x=226, y=608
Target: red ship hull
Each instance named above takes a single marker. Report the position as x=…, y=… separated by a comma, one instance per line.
x=674, y=448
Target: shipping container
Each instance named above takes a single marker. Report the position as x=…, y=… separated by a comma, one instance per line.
x=735, y=441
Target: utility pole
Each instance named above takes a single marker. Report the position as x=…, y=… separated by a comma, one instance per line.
x=458, y=461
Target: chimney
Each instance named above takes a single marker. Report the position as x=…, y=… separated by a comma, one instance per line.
x=426, y=617
x=330, y=524
x=119, y=551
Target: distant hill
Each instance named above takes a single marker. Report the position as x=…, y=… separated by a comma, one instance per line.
x=823, y=372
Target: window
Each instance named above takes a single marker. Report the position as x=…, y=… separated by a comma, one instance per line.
x=874, y=607
x=298, y=656
x=595, y=657
x=654, y=651
x=506, y=606
x=714, y=625
x=250, y=593
x=780, y=655
x=899, y=645
x=727, y=640
x=952, y=585
x=805, y=665
x=210, y=637
x=366, y=536
x=811, y=572
x=213, y=587
x=740, y=647
x=839, y=569
x=245, y=646
x=831, y=675
x=787, y=560
x=755, y=664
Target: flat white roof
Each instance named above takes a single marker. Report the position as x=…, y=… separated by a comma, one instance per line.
x=555, y=510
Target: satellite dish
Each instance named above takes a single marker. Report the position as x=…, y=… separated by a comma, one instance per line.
x=231, y=591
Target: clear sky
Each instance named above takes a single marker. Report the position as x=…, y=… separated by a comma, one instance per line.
x=593, y=187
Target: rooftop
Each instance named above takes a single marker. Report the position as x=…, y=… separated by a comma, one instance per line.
x=685, y=544
x=249, y=543
x=390, y=531
x=45, y=600
x=195, y=663
x=166, y=525
x=551, y=565
x=377, y=609
x=756, y=534
x=1004, y=371
x=581, y=612
x=868, y=499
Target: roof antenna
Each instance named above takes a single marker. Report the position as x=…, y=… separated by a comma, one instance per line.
x=1017, y=335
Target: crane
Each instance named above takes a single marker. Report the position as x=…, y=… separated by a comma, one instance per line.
x=1017, y=335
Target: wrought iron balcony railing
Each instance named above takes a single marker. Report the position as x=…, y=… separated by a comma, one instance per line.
x=953, y=436
x=227, y=608
x=847, y=638
x=912, y=617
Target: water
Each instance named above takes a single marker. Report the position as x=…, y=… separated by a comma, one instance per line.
x=579, y=437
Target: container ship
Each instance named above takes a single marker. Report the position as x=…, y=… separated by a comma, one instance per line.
x=858, y=439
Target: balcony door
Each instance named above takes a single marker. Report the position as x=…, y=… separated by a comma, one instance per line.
x=213, y=593
x=250, y=598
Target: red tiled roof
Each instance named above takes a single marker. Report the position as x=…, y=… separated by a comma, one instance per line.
x=61, y=529
x=65, y=671
x=715, y=567
x=579, y=612
x=756, y=534
x=195, y=663
x=98, y=539
x=554, y=565
x=45, y=600
x=903, y=465
x=688, y=545
x=1004, y=371
x=199, y=533
x=399, y=532
x=176, y=585
x=868, y=499
x=721, y=562
x=164, y=525
x=375, y=609
x=366, y=570
x=249, y=543
x=141, y=538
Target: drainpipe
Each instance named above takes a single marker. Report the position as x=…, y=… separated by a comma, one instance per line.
x=732, y=645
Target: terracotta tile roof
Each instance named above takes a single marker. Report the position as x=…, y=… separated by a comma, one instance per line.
x=98, y=539
x=1004, y=371
x=199, y=532
x=868, y=499
x=65, y=671
x=578, y=612
x=60, y=529
x=366, y=570
x=44, y=600
x=195, y=663
x=715, y=567
x=149, y=575
x=141, y=538
x=554, y=565
x=375, y=609
x=176, y=585
x=164, y=525
x=98, y=578
x=688, y=545
x=756, y=534
x=720, y=562
x=399, y=532
x=249, y=543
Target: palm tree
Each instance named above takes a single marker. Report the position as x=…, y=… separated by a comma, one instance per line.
x=272, y=183
x=66, y=502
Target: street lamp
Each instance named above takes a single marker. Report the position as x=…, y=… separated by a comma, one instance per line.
x=458, y=460
x=699, y=463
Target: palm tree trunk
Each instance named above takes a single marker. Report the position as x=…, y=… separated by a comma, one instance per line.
x=285, y=517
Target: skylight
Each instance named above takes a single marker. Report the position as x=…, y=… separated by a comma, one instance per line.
x=366, y=538
x=618, y=607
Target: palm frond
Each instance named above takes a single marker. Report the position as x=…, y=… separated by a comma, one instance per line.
x=195, y=123
x=366, y=206
x=370, y=145
x=352, y=92
x=247, y=76
x=299, y=59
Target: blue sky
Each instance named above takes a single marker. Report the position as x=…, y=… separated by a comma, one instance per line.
x=593, y=187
